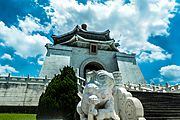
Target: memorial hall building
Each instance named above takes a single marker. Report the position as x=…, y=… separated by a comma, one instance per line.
x=89, y=50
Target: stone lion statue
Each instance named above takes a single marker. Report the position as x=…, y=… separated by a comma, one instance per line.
x=97, y=102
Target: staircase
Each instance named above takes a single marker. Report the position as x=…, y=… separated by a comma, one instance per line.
x=159, y=106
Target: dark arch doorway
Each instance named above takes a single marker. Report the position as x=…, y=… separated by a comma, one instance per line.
x=92, y=66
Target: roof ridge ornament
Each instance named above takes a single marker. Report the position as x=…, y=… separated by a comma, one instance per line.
x=84, y=27
x=77, y=28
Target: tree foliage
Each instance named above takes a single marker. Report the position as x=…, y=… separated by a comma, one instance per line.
x=60, y=97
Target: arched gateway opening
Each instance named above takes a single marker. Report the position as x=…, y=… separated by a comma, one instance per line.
x=92, y=66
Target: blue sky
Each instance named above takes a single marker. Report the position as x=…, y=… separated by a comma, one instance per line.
x=149, y=28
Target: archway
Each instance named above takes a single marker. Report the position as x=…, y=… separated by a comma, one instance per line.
x=92, y=66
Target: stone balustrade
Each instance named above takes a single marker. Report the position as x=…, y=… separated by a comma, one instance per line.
x=81, y=84
x=174, y=88
x=21, y=91
x=27, y=90
x=153, y=88
x=22, y=79
x=136, y=87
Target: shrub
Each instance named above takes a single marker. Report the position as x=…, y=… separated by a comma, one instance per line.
x=60, y=97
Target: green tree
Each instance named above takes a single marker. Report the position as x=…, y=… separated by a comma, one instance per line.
x=60, y=97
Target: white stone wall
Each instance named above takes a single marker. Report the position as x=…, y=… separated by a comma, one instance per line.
x=52, y=64
x=20, y=94
x=130, y=72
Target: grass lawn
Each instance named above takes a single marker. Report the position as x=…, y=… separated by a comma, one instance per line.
x=13, y=116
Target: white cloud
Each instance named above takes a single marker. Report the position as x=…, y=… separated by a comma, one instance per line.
x=40, y=60
x=32, y=63
x=168, y=74
x=25, y=44
x=6, y=56
x=131, y=23
x=30, y=24
x=2, y=44
x=153, y=53
x=153, y=56
x=171, y=73
x=4, y=70
x=134, y=22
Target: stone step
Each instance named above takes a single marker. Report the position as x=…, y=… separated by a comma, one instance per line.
x=159, y=106
x=157, y=103
x=162, y=118
x=163, y=111
x=160, y=99
x=156, y=114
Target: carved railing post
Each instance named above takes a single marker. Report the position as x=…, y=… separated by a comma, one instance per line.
x=45, y=79
x=129, y=86
x=139, y=86
x=167, y=87
x=154, y=88
x=117, y=78
x=28, y=78
x=178, y=88
x=8, y=77
x=81, y=83
x=129, y=108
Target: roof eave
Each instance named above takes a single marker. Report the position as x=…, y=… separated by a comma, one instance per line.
x=76, y=30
